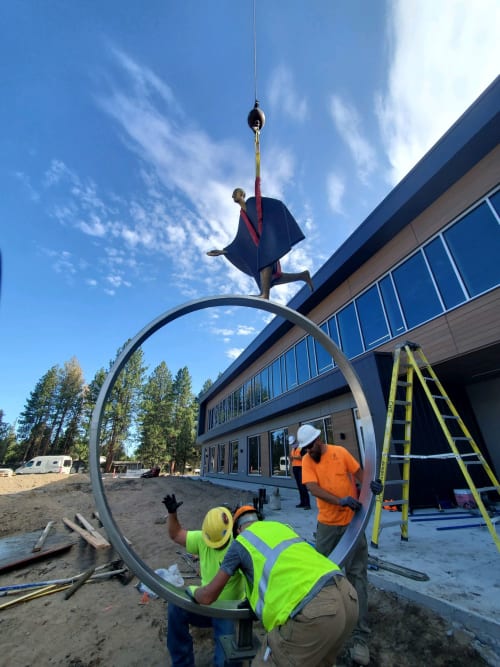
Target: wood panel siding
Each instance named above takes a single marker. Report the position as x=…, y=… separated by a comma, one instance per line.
x=343, y=423
x=477, y=323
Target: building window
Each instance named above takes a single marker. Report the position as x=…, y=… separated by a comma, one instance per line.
x=233, y=456
x=333, y=331
x=311, y=350
x=444, y=273
x=303, y=366
x=290, y=369
x=277, y=387
x=280, y=460
x=495, y=202
x=416, y=291
x=391, y=304
x=211, y=459
x=474, y=242
x=221, y=456
x=325, y=426
x=264, y=385
x=372, y=318
x=324, y=360
x=253, y=445
x=350, y=336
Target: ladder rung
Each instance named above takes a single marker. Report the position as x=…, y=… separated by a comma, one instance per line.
x=445, y=398
x=487, y=488
x=401, y=442
x=401, y=421
x=461, y=437
x=450, y=417
x=402, y=383
x=428, y=378
x=402, y=402
x=473, y=463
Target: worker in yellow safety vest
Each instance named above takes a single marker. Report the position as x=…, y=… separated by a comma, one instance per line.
x=305, y=603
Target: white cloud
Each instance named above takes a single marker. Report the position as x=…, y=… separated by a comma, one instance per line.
x=93, y=228
x=234, y=352
x=444, y=54
x=283, y=95
x=223, y=332
x=348, y=122
x=335, y=188
x=244, y=330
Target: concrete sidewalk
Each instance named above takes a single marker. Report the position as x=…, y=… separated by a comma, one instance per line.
x=463, y=564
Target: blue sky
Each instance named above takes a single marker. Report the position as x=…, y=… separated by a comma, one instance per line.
x=124, y=134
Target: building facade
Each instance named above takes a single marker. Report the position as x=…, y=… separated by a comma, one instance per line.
x=424, y=266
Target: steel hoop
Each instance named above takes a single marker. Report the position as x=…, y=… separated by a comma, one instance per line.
x=228, y=609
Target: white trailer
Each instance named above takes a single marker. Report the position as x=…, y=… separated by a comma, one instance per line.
x=58, y=463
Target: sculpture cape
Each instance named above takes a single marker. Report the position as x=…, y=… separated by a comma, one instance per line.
x=280, y=232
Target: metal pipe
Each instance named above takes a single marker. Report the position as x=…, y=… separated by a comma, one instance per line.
x=68, y=580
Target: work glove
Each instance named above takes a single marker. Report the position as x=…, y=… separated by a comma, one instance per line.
x=349, y=501
x=171, y=504
x=376, y=487
x=190, y=590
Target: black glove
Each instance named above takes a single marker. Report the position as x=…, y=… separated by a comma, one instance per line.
x=376, y=487
x=171, y=504
x=351, y=502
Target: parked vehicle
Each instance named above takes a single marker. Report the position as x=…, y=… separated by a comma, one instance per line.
x=58, y=463
x=153, y=472
x=284, y=463
x=6, y=472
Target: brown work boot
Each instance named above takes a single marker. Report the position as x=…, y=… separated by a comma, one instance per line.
x=360, y=653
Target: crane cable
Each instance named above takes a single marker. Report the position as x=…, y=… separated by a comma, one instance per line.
x=258, y=124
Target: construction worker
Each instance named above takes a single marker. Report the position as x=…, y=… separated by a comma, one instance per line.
x=296, y=457
x=305, y=603
x=210, y=544
x=330, y=473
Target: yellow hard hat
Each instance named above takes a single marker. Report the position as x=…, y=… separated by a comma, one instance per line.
x=217, y=527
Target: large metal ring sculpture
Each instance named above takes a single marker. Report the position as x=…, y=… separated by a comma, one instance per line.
x=227, y=609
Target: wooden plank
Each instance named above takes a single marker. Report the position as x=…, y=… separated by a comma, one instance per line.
x=43, y=536
x=88, y=526
x=96, y=542
x=21, y=561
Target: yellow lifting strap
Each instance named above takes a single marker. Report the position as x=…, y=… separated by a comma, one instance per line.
x=257, y=153
x=398, y=436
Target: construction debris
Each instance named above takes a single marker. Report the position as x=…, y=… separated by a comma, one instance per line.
x=90, y=534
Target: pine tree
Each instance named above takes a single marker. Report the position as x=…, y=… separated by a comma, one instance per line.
x=185, y=411
x=34, y=426
x=119, y=409
x=155, y=417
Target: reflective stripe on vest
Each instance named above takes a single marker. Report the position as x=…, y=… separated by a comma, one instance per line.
x=271, y=555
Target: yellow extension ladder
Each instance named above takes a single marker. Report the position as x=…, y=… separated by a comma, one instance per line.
x=398, y=449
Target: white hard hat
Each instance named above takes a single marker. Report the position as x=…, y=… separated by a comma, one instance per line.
x=291, y=440
x=307, y=434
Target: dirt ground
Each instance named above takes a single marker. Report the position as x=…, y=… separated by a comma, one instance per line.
x=105, y=623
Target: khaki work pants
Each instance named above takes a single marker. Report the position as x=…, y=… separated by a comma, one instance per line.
x=316, y=635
